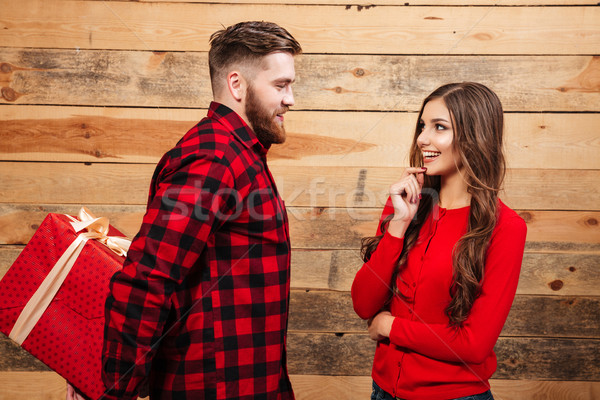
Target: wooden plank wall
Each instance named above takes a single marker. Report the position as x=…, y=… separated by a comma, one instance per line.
x=93, y=92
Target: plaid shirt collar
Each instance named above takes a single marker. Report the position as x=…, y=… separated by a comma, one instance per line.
x=236, y=124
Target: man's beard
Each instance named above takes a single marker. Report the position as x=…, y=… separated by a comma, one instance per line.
x=268, y=130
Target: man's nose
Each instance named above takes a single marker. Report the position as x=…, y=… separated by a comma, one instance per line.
x=288, y=99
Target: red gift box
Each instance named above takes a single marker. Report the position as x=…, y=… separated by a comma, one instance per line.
x=68, y=334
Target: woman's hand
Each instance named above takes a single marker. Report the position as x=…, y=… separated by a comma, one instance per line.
x=381, y=325
x=72, y=394
x=405, y=195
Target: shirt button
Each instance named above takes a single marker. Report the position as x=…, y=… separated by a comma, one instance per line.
x=414, y=284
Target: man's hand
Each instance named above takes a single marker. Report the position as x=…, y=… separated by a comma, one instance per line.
x=73, y=394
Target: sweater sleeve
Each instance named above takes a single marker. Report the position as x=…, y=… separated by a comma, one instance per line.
x=474, y=341
x=372, y=283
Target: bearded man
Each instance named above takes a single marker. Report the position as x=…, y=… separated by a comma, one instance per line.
x=200, y=308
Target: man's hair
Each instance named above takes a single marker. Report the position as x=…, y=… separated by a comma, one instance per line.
x=244, y=45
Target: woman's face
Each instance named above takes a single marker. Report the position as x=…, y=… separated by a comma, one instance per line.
x=436, y=140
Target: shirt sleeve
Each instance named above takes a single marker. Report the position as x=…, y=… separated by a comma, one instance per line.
x=371, y=287
x=474, y=341
x=190, y=201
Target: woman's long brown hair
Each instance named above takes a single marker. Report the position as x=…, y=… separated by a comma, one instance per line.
x=477, y=122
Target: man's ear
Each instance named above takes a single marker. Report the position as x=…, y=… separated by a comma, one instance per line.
x=237, y=85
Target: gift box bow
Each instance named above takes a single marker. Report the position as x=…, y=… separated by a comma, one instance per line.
x=93, y=227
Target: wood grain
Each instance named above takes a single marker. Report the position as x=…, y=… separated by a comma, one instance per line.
x=105, y=183
x=36, y=385
x=32, y=385
x=14, y=358
x=320, y=138
x=530, y=316
x=518, y=358
x=544, y=272
x=352, y=354
x=387, y=30
x=311, y=228
x=374, y=3
x=324, y=82
x=552, y=273
x=509, y=389
x=50, y=386
x=92, y=93
x=309, y=387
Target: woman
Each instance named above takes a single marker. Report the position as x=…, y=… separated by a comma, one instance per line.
x=441, y=274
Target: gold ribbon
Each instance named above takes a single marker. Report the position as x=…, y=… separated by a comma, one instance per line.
x=96, y=228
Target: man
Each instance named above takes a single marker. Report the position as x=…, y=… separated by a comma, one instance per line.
x=200, y=308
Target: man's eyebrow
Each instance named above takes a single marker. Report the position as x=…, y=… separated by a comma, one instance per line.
x=285, y=80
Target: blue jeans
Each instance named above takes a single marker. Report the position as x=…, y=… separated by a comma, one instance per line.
x=380, y=394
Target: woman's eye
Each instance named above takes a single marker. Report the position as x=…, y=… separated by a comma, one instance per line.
x=440, y=127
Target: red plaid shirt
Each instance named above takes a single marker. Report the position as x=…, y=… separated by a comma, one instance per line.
x=200, y=308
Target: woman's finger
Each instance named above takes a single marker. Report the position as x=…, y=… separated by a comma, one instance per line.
x=412, y=189
x=414, y=170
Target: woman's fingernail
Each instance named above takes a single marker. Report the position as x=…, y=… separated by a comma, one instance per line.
x=420, y=197
x=424, y=169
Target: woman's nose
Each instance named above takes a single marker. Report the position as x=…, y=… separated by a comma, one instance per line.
x=423, y=138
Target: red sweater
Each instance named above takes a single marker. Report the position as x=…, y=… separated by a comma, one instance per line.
x=424, y=358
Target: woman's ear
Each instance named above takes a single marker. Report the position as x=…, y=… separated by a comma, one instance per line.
x=237, y=85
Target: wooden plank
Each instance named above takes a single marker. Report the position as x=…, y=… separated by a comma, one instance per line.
x=105, y=183
x=8, y=255
x=522, y=186
x=509, y=389
x=19, y=222
x=98, y=134
x=352, y=354
x=47, y=385
x=82, y=183
x=14, y=358
x=549, y=273
x=329, y=354
x=553, y=316
x=311, y=228
x=552, y=273
x=50, y=386
x=542, y=273
x=547, y=141
x=36, y=385
x=561, y=274
x=562, y=359
x=324, y=269
x=518, y=358
x=320, y=138
x=558, y=226
x=387, y=30
x=350, y=82
x=319, y=311
x=374, y=3
x=309, y=387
